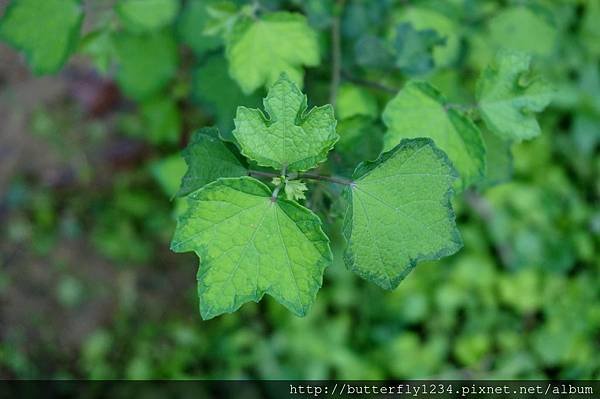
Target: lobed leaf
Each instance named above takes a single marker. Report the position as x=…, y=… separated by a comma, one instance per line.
x=399, y=212
x=290, y=137
x=250, y=245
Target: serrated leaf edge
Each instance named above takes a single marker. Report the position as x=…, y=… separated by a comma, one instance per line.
x=364, y=169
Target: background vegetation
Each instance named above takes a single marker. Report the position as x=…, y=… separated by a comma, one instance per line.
x=89, y=162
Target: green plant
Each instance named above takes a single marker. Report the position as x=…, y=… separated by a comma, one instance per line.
x=253, y=240
x=255, y=237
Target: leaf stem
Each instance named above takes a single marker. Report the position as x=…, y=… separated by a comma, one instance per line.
x=369, y=83
x=258, y=173
x=276, y=192
x=331, y=179
x=311, y=176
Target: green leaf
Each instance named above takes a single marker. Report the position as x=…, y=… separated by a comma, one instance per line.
x=399, y=212
x=147, y=15
x=414, y=49
x=259, y=50
x=419, y=110
x=508, y=96
x=146, y=63
x=290, y=137
x=208, y=158
x=46, y=31
x=250, y=245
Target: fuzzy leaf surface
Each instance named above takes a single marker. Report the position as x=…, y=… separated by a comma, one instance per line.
x=289, y=136
x=399, y=212
x=250, y=245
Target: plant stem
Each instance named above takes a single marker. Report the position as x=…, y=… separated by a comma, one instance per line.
x=331, y=179
x=258, y=173
x=312, y=176
x=276, y=192
x=369, y=83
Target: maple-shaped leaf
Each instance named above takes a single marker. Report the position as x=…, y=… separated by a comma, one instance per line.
x=46, y=31
x=509, y=96
x=250, y=244
x=289, y=137
x=208, y=158
x=420, y=110
x=259, y=50
x=399, y=212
